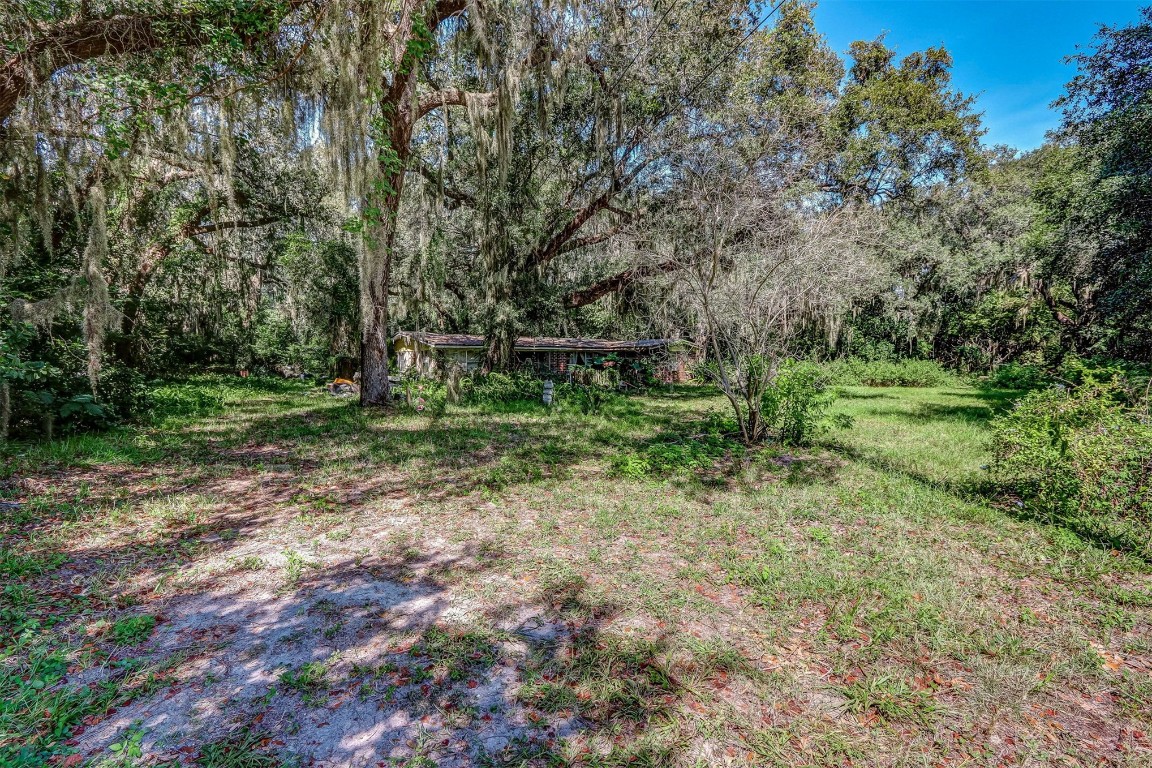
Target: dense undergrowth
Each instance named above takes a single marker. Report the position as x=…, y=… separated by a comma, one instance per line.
x=1081, y=458
x=890, y=373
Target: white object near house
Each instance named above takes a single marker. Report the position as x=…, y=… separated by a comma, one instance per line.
x=548, y=387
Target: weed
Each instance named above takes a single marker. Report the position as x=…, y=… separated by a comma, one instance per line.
x=306, y=677
x=22, y=565
x=245, y=749
x=294, y=565
x=249, y=563
x=127, y=750
x=133, y=629
x=457, y=652
x=890, y=698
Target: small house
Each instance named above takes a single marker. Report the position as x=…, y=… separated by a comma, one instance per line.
x=429, y=352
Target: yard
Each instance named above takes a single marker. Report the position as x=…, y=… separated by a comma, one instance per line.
x=290, y=580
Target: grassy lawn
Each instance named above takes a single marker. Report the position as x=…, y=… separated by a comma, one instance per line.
x=291, y=581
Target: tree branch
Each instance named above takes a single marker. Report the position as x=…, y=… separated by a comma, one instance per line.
x=71, y=42
x=449, y=97
x=456, y=195
x=445, y=8
x=552, y=248
x=583, y=242
x=220, y=226
x=619, y=282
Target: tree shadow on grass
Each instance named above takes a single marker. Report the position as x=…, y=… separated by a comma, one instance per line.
x=365, y=652
x=998, y=400
x=846, y=394
x=971, y=489
x=452, y=455
x=678, y=392
x=372, y=659
x=993, y=404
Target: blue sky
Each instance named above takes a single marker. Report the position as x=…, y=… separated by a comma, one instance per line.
x=1006, y=52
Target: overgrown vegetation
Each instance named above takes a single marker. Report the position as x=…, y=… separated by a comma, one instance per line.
x=904, y=372
x=1082, y=458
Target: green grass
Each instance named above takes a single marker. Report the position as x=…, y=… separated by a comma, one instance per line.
x=133, y=630
x=861, y=598
x=245, y=749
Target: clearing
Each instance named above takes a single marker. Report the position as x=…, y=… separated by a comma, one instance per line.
x=292, y=581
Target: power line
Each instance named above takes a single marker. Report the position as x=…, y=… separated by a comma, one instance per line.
x=727, y=56
x=639, y=49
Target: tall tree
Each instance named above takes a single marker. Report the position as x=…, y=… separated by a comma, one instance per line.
x=900, y=127
x=1108, y=113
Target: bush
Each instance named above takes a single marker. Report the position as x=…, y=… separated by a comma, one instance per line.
x=889, y=373
x=1098, y=370
x=1082, y=459
x=1018, y=376
x=585, y=398
x=524, y=389
x=797, y=403
x=501, y=389
x=424, y=396
x=1072, y=371
x=123, y=392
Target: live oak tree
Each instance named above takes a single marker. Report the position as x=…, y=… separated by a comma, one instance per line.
x=1108, y=118
x=587, y=130
x=748, y=246
x=899, y=127
x=175, y=174
x=92, y=97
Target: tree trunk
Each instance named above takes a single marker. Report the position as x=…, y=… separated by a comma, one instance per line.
x=500, y=346
x=5, y=410
x=375, y=389
x=376, y=261
x=399, y=111
x=125, y=347
x=376, y=279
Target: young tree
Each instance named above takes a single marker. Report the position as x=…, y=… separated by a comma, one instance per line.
x=756, y=269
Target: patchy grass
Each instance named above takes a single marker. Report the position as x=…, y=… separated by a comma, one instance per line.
x=246, y=749
x=269, y=576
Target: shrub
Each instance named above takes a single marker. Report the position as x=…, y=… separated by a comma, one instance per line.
x=501, y=388
x=1018, y=376
x=1077, y=370
x=522, y=388
x=427, y=397
x=1073, y=371
x=1081, y=459
x=123, y=392
x=586, y=398
x=797, y=403
x=889, y=373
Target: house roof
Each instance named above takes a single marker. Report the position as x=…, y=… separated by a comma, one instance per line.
x=539, y=343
